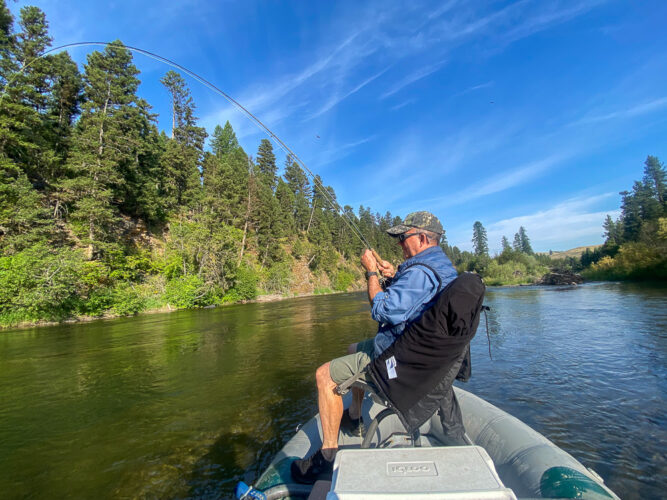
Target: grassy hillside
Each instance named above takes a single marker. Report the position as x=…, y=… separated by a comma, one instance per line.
x=573, y=252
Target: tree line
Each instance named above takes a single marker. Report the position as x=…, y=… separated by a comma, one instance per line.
x=635, y=244
x=516, y=263
x=100, y=212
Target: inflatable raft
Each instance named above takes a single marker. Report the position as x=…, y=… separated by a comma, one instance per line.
x=505, y=458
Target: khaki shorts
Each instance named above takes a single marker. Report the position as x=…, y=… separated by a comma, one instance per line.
x=345, y=367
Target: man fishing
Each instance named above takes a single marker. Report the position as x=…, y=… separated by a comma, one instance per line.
x=412, y=289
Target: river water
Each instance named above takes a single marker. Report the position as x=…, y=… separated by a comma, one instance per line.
x=186, y=404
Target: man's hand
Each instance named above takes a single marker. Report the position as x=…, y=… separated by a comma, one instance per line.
x=368, y=261
x=386, y=269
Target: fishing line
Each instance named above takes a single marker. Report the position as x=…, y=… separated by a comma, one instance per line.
x=325, y=193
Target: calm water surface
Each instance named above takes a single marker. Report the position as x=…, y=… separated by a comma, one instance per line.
x=186, y=404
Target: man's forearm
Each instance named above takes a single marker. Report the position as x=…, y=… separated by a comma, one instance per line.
x=373, y=288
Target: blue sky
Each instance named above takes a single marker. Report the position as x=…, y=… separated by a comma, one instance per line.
x=524, y=113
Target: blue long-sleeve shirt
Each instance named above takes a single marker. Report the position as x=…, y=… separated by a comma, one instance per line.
x=411, y=292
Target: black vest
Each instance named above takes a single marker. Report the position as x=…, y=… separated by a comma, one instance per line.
x=425, y=354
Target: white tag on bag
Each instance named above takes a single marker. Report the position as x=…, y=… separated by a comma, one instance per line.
x=391, y=367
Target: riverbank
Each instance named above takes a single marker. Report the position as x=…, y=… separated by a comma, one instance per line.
x=551, y=279
x=271, y=297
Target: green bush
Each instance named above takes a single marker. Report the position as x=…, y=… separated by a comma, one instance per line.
x=343, y=281
x=128, y=301
x=245, y=285
x=40, y=284
x=634, y=261
x=278, y=278
x=186, y=292
x=97, y=302
x=525, y=270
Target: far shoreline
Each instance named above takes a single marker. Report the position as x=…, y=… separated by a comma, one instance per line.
x=266, y=298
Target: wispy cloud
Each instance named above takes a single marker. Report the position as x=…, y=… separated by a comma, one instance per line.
x=403, y=104
x=548, y=14
x=636, y=110
x=473, y=88
x=573, y=222
x=343, y=68
x=335, y=99
x=503, y=181
x=412, y=78
x=337, y=152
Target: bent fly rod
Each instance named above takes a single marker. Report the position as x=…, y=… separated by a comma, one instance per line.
x=286, y=149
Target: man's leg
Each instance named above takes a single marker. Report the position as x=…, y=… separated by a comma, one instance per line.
x=368, y=347
x=320, y=465
x=331, y=407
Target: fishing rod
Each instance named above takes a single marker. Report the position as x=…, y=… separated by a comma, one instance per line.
x=318, y=184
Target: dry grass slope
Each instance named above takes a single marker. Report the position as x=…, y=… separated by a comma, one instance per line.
x=573, y=252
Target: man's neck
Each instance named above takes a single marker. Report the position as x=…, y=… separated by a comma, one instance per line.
x=422, y=251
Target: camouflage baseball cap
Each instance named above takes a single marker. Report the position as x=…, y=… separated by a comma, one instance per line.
x=420, y=220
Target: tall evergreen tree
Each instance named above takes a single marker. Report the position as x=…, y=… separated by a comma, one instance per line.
x=654, y=177
x=631, y=219
x=226, y=185
x=479, y=240
x=505, y=244
x=298, y=183
x=285, y=198
x=103, y=145
x=184, y=153
x=525, y=246
x=611, y=231
x=66, y=86
x=20, y=105
x=266, y=162
x=224, y=140
x=7, y=64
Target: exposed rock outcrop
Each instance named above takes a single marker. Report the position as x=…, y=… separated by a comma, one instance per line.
x=561, y=279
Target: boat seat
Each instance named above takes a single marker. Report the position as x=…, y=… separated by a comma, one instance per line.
x=413, y=377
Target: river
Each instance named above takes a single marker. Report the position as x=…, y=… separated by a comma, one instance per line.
x=186, y=404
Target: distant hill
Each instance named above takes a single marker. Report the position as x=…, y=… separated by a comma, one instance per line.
x=573, y=252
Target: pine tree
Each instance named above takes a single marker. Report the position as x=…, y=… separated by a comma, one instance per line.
x=184, y=153
x=139, y=192
x=285, y=198
x=226, y=185
x=516, y=244
x=266, y=162
x=103, y=144
x=505, y=244
x=654, y=176
x=224, y=140
x=524, y=242
x=66, y=86
x=24, y=219
x=630, y=216
x=22, y=101
x=7, y=64
x=31, y=42
x=611, y=232
x=479, y=240
x=298, y=183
